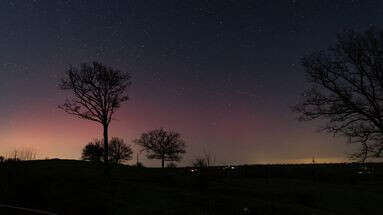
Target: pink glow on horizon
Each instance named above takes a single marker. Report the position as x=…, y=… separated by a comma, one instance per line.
x=234, y=139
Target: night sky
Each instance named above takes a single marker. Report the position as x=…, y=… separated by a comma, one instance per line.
x=222, y=73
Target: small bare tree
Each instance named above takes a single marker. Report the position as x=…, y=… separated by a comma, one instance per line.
x=208, y=159
x=347, y=90
x=119, y=151
x=199, y=163
x=162, y=144
x=97, y=91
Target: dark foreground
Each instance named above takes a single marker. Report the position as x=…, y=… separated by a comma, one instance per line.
x=76, y=187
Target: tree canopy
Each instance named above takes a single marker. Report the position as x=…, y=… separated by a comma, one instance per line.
x=162, y=144
x=119, y=151
x=346, y=90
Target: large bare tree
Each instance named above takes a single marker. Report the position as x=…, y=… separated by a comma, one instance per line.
x=97, y=91
x=347, y=90
x=162, y=144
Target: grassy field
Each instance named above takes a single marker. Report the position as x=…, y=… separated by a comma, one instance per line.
x=77, y=187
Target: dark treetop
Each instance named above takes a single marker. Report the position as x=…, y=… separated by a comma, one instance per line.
x=162, y=144
x=98, y=91
x=347, y=89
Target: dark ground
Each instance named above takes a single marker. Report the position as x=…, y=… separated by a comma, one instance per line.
x=77, y=187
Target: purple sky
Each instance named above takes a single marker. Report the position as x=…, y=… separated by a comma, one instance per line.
x=222, y=73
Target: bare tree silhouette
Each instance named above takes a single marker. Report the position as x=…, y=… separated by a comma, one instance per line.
x=162, y=144
x=23, y=154
x=171, y=165
x=208, y=159
x=347, y=90
x=119, y=150
x=97, y=92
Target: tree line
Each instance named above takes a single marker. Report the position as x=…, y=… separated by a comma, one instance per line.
x=165, y=145
x=345, y=91
x=96, y=92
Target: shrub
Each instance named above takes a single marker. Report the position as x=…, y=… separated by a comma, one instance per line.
x=199, y=163
x=171, y=165
x=139, y=165
x=119, y=151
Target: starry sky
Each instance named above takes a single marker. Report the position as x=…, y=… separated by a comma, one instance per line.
x=223, y=73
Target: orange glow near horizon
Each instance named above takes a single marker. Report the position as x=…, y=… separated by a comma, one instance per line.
x=54, y=134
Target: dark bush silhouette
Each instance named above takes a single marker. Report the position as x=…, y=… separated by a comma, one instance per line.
x=201, y=165
x=171, y=165
x=208, y=159
x=162, y=144
x=119, y=151
x=139, y=165
x=97, y=92
x=347, y=90
x=93, y=151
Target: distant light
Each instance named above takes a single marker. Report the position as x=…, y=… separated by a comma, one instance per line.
x=246, y=210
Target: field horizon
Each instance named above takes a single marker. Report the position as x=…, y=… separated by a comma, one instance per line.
x=76, y=187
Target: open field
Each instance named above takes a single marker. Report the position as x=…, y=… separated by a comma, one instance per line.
x=77, y=187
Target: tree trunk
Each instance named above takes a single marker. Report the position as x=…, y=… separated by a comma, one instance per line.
x=137, y=159
x=163, y=162
x=106, y=146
